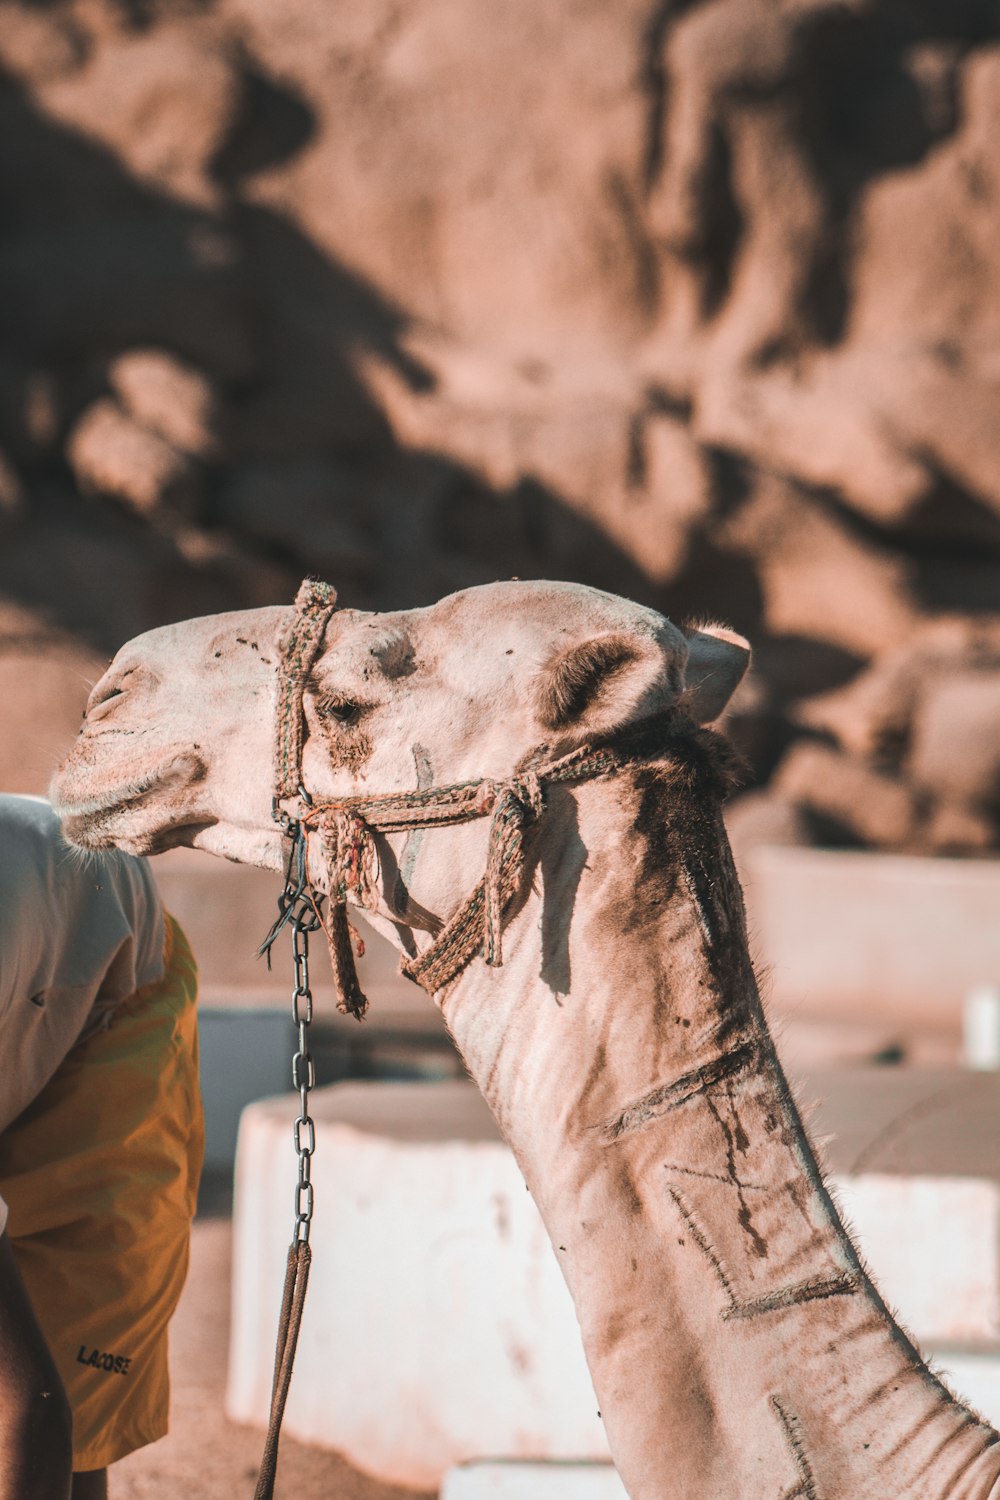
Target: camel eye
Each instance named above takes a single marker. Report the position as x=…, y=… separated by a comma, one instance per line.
x=341, y=710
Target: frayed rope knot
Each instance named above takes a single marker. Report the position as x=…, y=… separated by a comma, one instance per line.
x=485, y=799
x=346, y=833
x=517, y=803
x=349, y=853
x=314, y=596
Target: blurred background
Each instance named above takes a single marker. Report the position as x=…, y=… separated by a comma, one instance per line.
x=693, y=300
x=697, y=302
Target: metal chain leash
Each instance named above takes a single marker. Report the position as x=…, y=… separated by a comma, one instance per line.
x=298, y=908
x=303, y=920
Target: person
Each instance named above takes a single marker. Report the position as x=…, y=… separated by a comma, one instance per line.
x=101, y=1142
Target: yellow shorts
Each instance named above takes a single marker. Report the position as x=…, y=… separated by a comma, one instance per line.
x=100, y=1175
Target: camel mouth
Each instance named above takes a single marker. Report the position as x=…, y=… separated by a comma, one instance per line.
x=106, y=833
x=108, y=819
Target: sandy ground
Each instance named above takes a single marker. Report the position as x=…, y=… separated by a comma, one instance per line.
x=205, y=1456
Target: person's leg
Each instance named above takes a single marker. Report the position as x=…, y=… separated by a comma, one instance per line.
x=91, y=1485
x=36, y=1447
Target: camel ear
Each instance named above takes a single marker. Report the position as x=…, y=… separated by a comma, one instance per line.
x=717, y=660
x=604, y=682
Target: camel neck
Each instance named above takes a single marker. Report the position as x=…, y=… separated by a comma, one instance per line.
x=735, y=1341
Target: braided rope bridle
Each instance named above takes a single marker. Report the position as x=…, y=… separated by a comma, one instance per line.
x=346, y=826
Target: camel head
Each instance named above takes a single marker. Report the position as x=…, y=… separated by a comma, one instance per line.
x=178, y=742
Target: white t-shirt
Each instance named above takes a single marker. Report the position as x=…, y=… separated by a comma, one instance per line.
x=78, y=933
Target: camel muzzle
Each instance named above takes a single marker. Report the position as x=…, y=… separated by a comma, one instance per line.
x=91, y=821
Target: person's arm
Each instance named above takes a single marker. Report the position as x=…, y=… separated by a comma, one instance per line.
x=36, y=1426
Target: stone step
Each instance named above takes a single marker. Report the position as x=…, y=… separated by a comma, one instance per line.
x=937, y=1122
x=247, y=1040
x=439, y=1328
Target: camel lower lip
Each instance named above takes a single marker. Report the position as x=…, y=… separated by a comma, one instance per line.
x=94, y=823
x=106, y=832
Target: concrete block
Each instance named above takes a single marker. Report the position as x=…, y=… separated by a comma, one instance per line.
x=526, y=1481
x=933, y=1246
x=874, y=935
x=975, y=1378
x=438, y=1327
x=246, y=1054
x=911, y=1122
x=245, y=1008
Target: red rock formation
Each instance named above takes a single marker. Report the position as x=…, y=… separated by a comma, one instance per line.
x=698, y=300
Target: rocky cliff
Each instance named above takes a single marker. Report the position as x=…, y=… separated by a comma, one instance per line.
x=699, y=302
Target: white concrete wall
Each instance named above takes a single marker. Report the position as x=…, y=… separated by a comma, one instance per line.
x=438, y=1327
x=933, y=1246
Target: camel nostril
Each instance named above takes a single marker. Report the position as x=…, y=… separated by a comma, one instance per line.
x=102, y=698
x=105, y=694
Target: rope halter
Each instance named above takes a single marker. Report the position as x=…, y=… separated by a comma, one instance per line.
x=346, y=827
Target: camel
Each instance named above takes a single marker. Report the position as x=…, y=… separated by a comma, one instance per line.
x=605, y=1004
